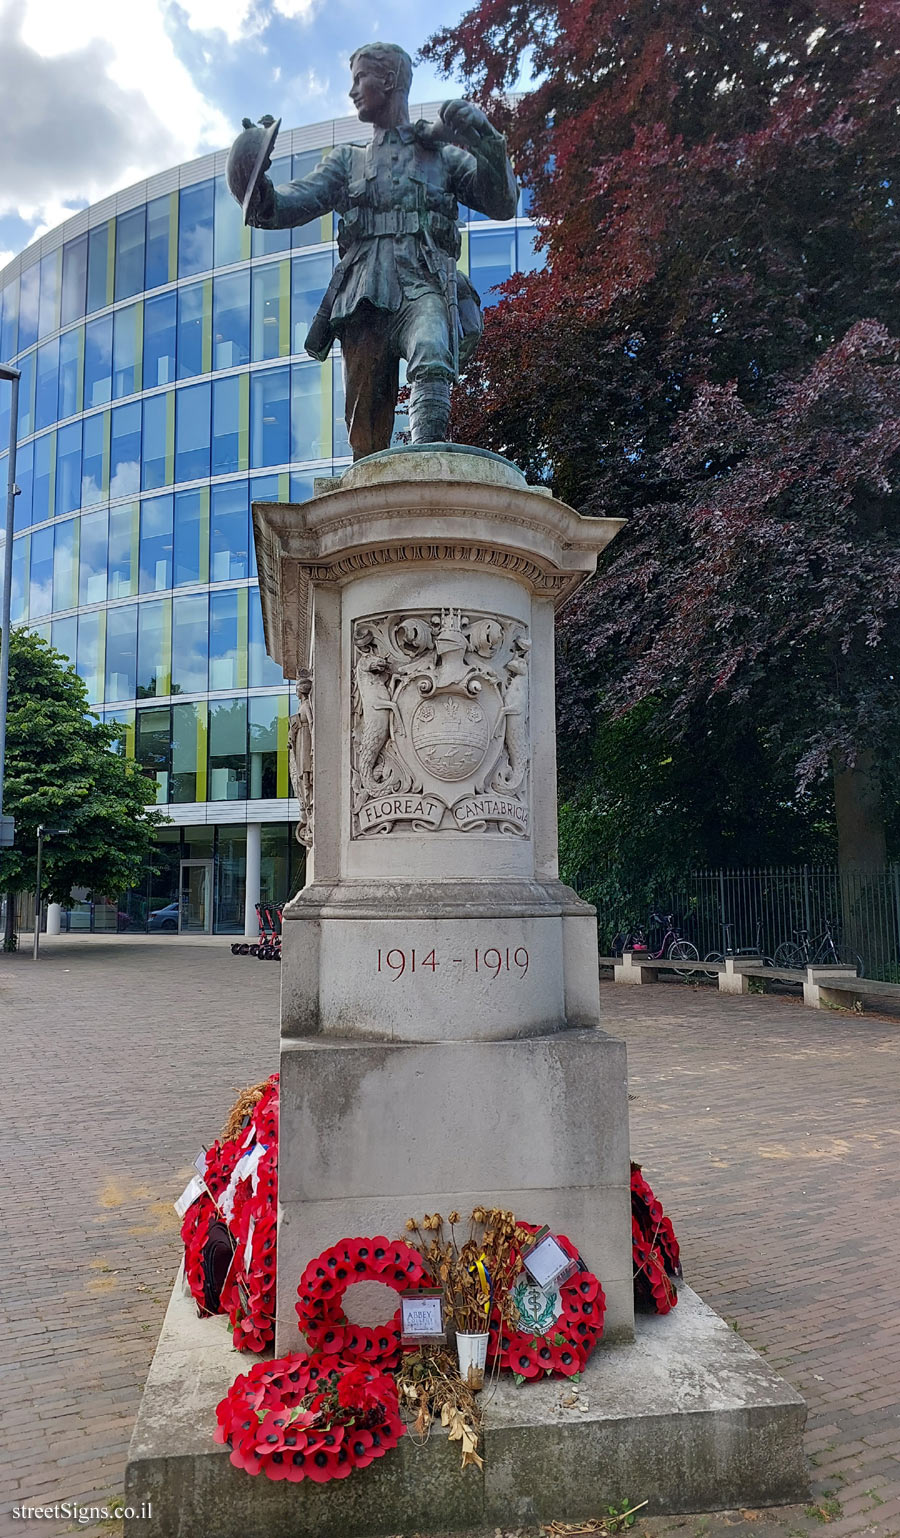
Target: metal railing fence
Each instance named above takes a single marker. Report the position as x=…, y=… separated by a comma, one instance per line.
x=765, y=906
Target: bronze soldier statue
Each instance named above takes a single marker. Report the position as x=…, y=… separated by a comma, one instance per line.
x=396, y=292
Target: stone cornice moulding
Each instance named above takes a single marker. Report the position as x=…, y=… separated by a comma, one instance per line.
x=451, y=522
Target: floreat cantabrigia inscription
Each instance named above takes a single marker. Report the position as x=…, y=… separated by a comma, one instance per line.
x=440, y=729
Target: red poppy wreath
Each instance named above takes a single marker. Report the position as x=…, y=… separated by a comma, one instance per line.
x=654, y=1248
x=303, y=1418
x=326, y=1279
x=563, y=1325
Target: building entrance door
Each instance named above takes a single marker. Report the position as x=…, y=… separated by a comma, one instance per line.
x=195, y=901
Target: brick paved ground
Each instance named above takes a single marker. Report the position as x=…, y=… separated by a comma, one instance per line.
x=771, y=1132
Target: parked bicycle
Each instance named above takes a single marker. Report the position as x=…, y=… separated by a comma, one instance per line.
x=673, y=946
x=824, y=950
x=740, y=950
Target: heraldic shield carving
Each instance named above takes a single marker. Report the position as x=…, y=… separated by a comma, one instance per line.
x=440, y=733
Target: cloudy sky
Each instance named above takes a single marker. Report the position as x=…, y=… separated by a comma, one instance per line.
x=100, y=93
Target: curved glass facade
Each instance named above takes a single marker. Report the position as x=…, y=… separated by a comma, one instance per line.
x=164, y=387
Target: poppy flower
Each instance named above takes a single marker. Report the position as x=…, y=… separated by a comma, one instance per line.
x=523, y=1361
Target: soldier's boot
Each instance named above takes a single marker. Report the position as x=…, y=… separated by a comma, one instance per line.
x=429, y=410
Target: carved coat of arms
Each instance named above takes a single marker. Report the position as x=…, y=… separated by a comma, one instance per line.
x=440, y=723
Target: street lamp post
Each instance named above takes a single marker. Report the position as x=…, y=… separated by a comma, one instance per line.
x=7, y=827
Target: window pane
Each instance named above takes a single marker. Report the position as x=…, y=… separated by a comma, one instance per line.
x=18, y=593
x=98, y=268
x=46, y=384
x=156, y=268
x=95, y=459
x=5, y=408
x=270, y=310
x=310, y=434
x=156, y=544
x=227, y=750
x=156, y=447
x=159, y=340
x=266, y=710
x=231, y=399
x=269, y=417
x=231, y=856
x=41, y=579
x=310, y=276
x=340, y=442
x=92, y=558
x=264, y=242
x=29, y=304
x=68, y=468
x=266, y=488
x=48, y=318
x=65, y=565
x=126, y=351
x=192, y=428
x=154, y=648
x=98, y=361
x=189, y=345
x=262, y=670
x=492, y=259
x=229, y=550
x=152, y=748
x=227, y=647
x=195, y=229
x=189, y=751
x=9, y=327
x=191, y=536
x=121, y=652
x=26, y=397
x=130, y=229
x=190, y=643
x=302, y=487
x=25, y=483
x=71, y=368
x=231, y=245
x=89, y=665
x=124, y=525
x=125, y=450
x=44, y=451
x=309, y=234
x=74, y=280
x=64, y=636
x=231, y=319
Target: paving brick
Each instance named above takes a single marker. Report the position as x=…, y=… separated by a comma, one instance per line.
x=769, y=1131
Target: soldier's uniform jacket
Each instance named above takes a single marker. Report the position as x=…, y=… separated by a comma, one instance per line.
x=398, y=199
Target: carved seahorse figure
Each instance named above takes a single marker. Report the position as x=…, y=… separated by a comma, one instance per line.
x=376, y=708
x=515, y=712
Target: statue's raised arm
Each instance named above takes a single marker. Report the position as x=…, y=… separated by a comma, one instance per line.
x=396, y=292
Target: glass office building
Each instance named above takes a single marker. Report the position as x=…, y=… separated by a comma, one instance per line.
x=164, y=387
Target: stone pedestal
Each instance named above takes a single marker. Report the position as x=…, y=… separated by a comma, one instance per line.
x=439, y=1018
x=440, y=999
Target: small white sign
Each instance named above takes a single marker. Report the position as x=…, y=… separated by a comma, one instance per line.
x=422, y=1316
x=200, y=1162
x=548, y=1264
x=192, y=1190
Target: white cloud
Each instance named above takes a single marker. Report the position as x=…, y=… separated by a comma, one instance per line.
x=296, y=10
x=94, y=97
x=236, y=18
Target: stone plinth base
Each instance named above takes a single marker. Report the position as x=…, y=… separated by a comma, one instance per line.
x=686, y=1417
x=375, y=1132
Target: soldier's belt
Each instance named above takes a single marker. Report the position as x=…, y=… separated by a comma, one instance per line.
x=367, y=223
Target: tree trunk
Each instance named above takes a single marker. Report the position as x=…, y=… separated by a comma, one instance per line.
x=867, y=927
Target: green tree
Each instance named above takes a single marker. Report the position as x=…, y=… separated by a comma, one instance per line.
x=61, y=772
